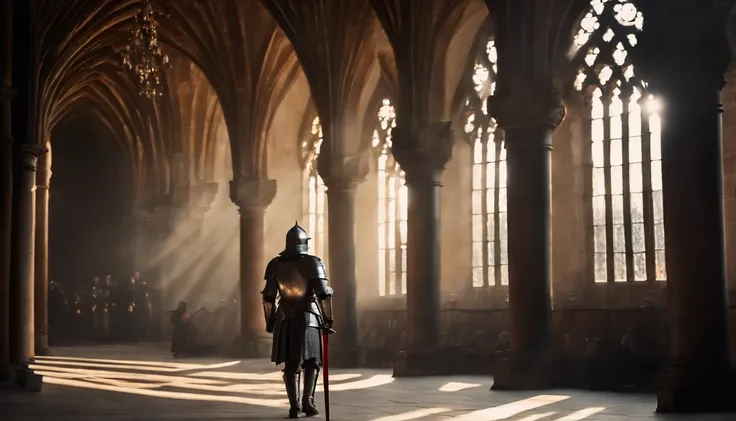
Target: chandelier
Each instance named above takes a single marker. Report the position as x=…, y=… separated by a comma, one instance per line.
x=142, y=55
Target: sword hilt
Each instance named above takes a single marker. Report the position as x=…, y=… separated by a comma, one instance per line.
x=328, y=330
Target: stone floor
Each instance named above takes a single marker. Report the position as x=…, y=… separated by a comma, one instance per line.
x=142, y=382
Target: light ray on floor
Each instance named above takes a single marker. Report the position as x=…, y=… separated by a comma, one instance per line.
x=537, y=417
x=508, y=410
x=582, y=414
x=413, y=415
x=124, y=362
x=457, y=386
x=272, y=403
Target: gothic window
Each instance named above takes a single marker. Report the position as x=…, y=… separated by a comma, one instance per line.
x=628, y=231
x=392, y=208
x=490, y=236
x=314, y=189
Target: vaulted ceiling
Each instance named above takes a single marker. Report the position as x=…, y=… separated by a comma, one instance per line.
x=234, y=62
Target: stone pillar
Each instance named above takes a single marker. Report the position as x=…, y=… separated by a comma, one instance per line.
x=252, y=196
x=422, y=152
x=528, y=110
x=341, y=271
x=6, y=180
x=22, y=281
x=41, y=270
x=685, y=70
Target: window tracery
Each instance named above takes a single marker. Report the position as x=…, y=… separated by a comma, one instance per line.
x=314, y=190
x=489, y=225
x=392, y=207
x=625, y=126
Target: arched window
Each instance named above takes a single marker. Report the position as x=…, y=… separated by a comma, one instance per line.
x=628, y=231
x=392, y=208
x=490, y=236
x=314, y=190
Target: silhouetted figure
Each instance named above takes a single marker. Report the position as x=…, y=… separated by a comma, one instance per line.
x=100, y=310
x=305, y=307
x=180, y=338
x=142, y=310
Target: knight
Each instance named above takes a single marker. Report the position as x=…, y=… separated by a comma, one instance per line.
x=299, y=281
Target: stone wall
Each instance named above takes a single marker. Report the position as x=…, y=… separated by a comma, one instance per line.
x=473, y=317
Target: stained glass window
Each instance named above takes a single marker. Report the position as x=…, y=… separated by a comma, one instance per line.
x=392, y=208
x=628, y=231
x=315, y=202
x=490, y=236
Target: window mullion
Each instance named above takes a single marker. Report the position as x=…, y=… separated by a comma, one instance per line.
x=606, y=100
x=386, y=206
x=627, y=187
x=396, y=177
x=498, y=268
x=484, y=207
x=646, y=158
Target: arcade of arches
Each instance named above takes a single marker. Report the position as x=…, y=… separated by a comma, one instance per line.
x=556, y=169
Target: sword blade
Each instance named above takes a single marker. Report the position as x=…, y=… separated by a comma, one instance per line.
x=326, y=373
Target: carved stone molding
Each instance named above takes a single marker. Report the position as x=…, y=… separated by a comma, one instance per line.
x=345, y=173
x=27, y=156
x=524, y=101
x=194, y=196
x=684, y=47
x=423, y=150
x=252, y=192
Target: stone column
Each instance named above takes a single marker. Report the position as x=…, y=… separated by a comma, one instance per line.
x=422, y=152
x=685, y=70
x=41, y=270
x=341, y=271
x=528, y=110
x=252, y=196
x=6, y=180
x=22, y=281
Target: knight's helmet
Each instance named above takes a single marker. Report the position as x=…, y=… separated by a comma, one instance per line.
x=296, y=240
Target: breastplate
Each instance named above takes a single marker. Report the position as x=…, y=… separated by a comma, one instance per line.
x=296, y=295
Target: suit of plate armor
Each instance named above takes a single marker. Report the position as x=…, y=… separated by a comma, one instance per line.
x=299, y=281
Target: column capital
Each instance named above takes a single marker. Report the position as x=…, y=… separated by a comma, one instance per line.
x=43, y=172
x=526, y=101
x=684, y=48
x=194, y=197
x=27, y=156
x=248, y=193
x=343, y=173
x=423, y=150
x=143, y=216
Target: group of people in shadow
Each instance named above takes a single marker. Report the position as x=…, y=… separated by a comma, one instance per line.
x=631, y=364
x=103, y=311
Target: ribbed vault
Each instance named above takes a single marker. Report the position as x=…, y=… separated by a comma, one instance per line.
x=336, y=48
x=249, y=62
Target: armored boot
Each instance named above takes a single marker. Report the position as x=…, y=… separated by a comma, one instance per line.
x=291, y=381
x=310, y=384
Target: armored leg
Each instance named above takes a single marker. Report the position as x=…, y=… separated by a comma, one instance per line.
x=311, y=374
x=291, y=382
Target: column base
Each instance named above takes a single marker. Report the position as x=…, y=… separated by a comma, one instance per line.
x=696, y=390
x=43, y=350
x=527, y=371
x=27, y=379
x=251, y=347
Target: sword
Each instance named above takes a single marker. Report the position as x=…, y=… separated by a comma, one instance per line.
x=326, y=332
